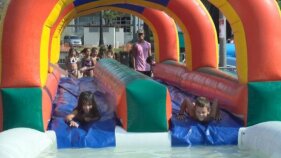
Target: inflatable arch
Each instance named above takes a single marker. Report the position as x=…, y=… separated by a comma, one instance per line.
x=166, y=39
x=42, y=17
x=257, y=37
x=258, y=51
x=191, y=16
x=27, y=88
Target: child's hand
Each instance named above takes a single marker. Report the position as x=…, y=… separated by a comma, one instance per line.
x=215, y=102
x=216, y=111
x=180, y=116
x=83, y=69
x=73, y=124
x=217, y=116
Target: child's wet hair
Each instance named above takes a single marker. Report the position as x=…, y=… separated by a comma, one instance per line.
x=87, y=97
x=202, y=102
x=72, y=50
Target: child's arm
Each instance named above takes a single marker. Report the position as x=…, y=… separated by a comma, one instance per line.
x=94, y=62
x=133, y=56
x=186, y=104
x=93, y=118
x=215, y=111
x=69, y=119
x=86, y=68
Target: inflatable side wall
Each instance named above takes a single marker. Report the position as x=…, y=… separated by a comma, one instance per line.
x=231, y=94
x=29, y=107
x=143, y=105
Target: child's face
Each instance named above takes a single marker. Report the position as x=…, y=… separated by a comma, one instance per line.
x=202, y=112
x=87, y=107
x=94, y=52
x=73, y=53
x=88, y=52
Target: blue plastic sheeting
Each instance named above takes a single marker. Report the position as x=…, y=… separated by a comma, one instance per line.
x=162, y=2
x=93, y=135
x=230, y=50
x=188, y=132
x=136, y=8
x=231, y=54
x=231, y=61
x=81, y=2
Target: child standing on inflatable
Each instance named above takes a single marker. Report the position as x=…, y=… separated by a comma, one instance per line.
x=85, y=112
x=110, y=52
x=71, y=62
x=201, y=110
x=88, y=63
x=94, y=54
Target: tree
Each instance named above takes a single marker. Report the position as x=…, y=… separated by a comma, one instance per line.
x=101, y=42
x=146, y=32
x=108, y=16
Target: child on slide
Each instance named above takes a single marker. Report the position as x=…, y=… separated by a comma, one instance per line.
x=85, y=112
x=201, y=110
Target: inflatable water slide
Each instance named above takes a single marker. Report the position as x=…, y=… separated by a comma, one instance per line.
x=30, y=43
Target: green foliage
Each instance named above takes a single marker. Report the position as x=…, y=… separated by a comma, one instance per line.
x=109, y=16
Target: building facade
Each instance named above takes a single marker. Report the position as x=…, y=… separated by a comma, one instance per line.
x=122, y=29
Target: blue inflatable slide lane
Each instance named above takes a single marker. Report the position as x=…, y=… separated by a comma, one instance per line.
x=93, y=135
x=188, y=132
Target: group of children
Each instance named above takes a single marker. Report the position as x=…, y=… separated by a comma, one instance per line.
x=83, y=64
x=201, y=110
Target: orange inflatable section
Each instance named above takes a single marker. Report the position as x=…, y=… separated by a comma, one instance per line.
x=46, y=108
x=167, y=34
x=52, y=83
x=122, y=111
x=172, y=77
x=22, y=33
x=168, y=107
x=262, y=38
x=201, y=31
x=48, y=95
x=231, y=94
x=116, y=89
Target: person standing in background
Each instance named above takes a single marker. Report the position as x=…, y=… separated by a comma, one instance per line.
x=110, y=52
x=141, y=52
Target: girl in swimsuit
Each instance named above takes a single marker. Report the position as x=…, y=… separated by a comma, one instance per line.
x=88, y=63
x=72, y=63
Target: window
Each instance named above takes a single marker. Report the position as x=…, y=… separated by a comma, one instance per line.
x=97, y=29
x=94, y=29
x=124, y=22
